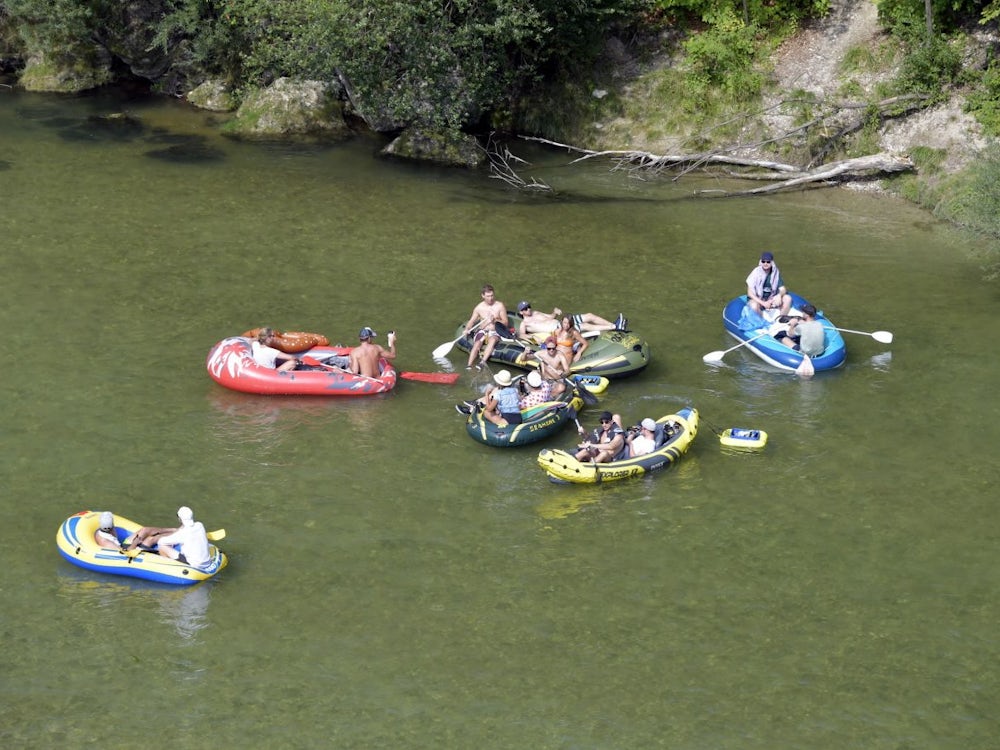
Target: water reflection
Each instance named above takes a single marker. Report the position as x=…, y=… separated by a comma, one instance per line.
x=184, y=608
x=247, y=419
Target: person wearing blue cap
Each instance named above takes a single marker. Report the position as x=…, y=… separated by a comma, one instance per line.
x=765, y=287
x=365, y=356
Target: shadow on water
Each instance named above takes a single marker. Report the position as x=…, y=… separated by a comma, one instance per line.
x=185, y=149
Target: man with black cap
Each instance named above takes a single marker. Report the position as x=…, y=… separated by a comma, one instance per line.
x=365, y=356
x=765, y=288
x=604, y=443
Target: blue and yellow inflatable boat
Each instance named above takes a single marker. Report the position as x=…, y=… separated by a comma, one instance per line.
x=76, y=543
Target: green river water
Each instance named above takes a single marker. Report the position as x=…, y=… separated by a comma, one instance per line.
x=394, y=584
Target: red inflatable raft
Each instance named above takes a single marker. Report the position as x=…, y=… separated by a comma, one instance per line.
x=231, y=364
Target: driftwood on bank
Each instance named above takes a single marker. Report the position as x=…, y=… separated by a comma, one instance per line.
x=835, y=122
x=784, y=176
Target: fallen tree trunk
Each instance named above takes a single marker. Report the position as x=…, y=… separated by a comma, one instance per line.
x=785, y=176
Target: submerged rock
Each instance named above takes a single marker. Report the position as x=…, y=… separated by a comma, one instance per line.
x=439, y=147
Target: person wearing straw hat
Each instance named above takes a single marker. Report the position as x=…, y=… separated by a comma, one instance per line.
x=105, y=535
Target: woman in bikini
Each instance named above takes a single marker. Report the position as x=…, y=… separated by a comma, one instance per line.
x=570, y=341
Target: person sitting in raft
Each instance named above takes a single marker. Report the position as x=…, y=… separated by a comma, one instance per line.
x=570, y=341
x=105, y=535
x=508, y=398
x=187, y=543
x=765, y=289
x=538, y=391
x=537, y=322
x=365, y=356
x=265, y=355
x=804, y=334
x=643, y=440
x=553, y=366
x=606, y=443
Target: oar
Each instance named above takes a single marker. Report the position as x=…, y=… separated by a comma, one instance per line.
x=805, y=368
x=213, y=536
x=445, y=348
x=447, y=378
x=588, y=398
x=313, y=362
x=883, y=337
x=713, y=357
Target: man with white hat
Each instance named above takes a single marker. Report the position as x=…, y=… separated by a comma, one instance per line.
x=190, y=538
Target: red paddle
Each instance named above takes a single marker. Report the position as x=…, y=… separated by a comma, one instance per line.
x=447, y=378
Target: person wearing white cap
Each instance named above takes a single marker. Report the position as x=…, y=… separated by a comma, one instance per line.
x=105, y=535
x=190, y=536
x=644, y=441
x=365, y=356
x=188, y=543
x=539, y=391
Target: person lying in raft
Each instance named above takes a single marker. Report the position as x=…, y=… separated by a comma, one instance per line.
x=187, y=543
x=536, y=321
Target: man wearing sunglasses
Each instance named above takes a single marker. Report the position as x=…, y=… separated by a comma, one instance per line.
x=605, y=443
x=765, y=288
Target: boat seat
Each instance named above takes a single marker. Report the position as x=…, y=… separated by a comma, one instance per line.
x=663, y=434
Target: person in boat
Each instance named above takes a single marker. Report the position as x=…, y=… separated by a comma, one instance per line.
x=804, y=334
x=642, y=441
x=507, y=398
x=765, y=288
x=538, y=391
x=266, y=355
x=553, y=366
x=570, y=341
x=538, y=322
x=490, y=322
x=187, y=543
x=105, y=535
x=365, y=356
x=606, y=443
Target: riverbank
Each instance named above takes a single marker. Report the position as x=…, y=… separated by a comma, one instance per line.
x=833, y=67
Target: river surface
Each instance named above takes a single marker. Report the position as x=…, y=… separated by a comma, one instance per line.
x=394, y=584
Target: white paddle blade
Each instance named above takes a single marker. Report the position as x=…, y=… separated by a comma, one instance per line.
x=713, y=358
x=884, y=337
x=444, y=349
x=805, y=369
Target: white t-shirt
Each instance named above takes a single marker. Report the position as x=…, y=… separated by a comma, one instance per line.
x=193, y=543
x=641, y=445
x=265, y=356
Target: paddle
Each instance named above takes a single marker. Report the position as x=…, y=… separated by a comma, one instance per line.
x=717, y=356
x=588, y=398
x=447, y=378
x=213, y=536
x=883, y=337
x=445, y=348
x=805, y=368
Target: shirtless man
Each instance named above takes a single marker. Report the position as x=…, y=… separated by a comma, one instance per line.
x=535, y=321
x=552, y=364
x=365, y=356
x=487, y=318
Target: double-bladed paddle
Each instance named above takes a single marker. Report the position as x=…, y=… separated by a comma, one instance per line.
x=445, y=378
